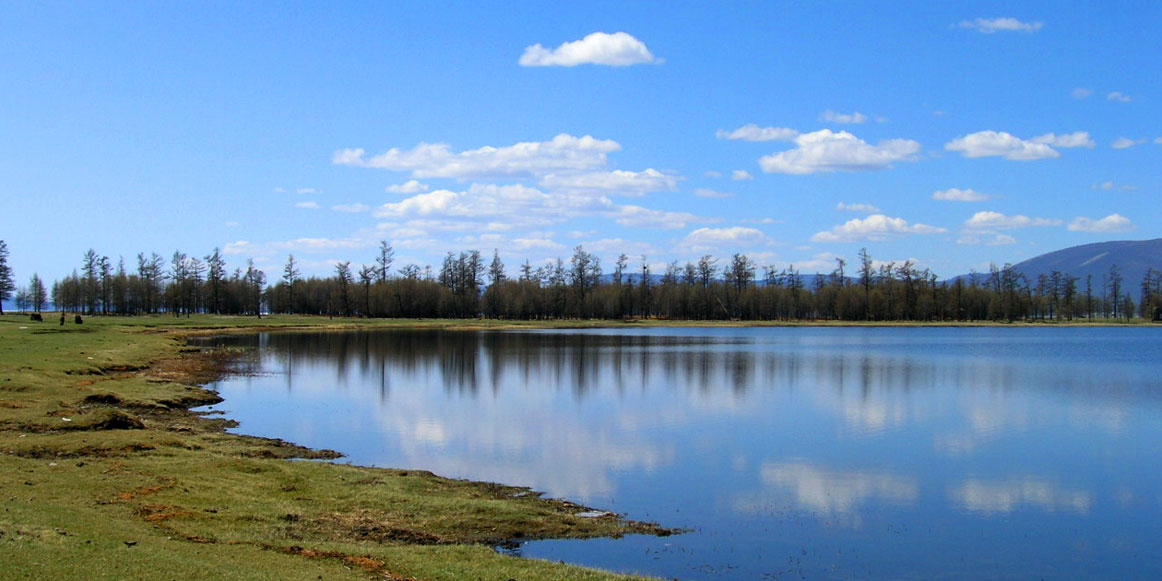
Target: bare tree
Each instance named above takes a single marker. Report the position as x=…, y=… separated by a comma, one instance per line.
x=384, y=260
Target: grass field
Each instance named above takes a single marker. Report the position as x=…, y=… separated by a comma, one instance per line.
x=105, y=473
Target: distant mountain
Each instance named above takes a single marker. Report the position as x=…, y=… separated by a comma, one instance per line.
x=1132, y=257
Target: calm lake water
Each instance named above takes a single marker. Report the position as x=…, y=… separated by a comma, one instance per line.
x=790, y=453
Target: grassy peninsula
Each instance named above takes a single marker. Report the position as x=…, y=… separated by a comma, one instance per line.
x=105, y=473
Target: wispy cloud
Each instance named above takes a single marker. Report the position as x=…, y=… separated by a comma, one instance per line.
x=1112, y=224
x=740, y=175
x=1000, y=144
x=715, y=239
x=1126, y=143
x=617, y=182
x=1080, y=93
x=618, y=50
x=1110, y=185
x=1002, y=24
x=563, y=153
x=408, y=187
x=308, y=205
x=843, y=118
x=752, y=132
x=1119, y=97
x=352, y=208
x=708, y=193
x=959, y=195
x=876, y=227
x=868, y=208
x=1066, y=140
x=828, y=151
x=992, y=221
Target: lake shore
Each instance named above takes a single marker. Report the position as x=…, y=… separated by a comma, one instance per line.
x=106, y=469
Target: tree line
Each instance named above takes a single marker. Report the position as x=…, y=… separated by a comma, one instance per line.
x=467, y=285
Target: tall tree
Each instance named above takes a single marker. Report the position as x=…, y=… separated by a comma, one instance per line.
x=1114, y=283
x=215, y=276
x=343, y=278
x=367, y=275
x=290, y=277
x=36, y=293
x=254, y=281
x=7, y=283
x=91, y=268
x=496, y=270
x=384, y=260
x=865, y=280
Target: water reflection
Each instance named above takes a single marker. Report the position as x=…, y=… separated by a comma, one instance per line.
x=968, y=442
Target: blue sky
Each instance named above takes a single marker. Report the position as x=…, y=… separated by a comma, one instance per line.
x=951, y=134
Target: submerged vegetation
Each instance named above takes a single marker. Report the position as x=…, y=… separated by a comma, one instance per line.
x=466, y=287
x=106, y=473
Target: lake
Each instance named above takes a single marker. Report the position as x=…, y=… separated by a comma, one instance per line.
x=818, y=453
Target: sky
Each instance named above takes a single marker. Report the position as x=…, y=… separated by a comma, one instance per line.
x=949, y=134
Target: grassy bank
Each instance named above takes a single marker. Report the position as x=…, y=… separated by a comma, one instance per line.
x=104, y=473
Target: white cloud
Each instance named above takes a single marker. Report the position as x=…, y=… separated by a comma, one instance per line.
x=990, y=239
x=280, y=190
x=708, y=193
x=1080, y=93
x=832, y=116
x=711, y=174
x=1112, y=224
x=1126, y=143
x=959, y=195
x=1075, y=139
x=1110, y=185
x=752, y=132
x=740, y=174
x=1002, y=144
x=306, y=191
x=826, y=151
x=1158, y=140
x=992, y=221
x=563, y=153
x=505, y=207
x=309, y=245
x=639, y=217
x=713, y=239
x=844, y=207
x=1118, y=96
x=418, y=205
x=232, y=224
x=618, y=49
x=309, y=205
x=875, y=227
x=353, y=208
x=237, y=247
x=1003, y=24
x=617, y=182
x=408, y=187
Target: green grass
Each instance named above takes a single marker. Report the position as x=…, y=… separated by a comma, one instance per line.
x=105, y=473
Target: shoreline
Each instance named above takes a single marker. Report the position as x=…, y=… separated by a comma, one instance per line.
x=99, y=436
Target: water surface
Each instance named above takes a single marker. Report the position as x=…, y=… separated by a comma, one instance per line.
x=866, y=453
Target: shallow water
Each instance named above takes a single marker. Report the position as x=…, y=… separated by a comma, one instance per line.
x=789, y=452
